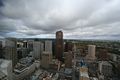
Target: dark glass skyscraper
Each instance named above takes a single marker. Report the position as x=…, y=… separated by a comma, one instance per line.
x=59, y=45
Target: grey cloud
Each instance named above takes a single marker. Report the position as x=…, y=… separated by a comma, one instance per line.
x=108, y=14
x=7, y=25
x=77, y=18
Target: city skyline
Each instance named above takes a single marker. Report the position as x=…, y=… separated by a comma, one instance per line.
x=47, y=59
x=78, y=19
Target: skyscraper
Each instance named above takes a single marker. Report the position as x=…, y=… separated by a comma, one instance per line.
x=30, y=45
x=1, y=55
x=48, y=46
x=68, y=59
x=25, y=44
x=37, y=49
x=11, y=50
x=0, y=44
x=46, y=59
x=68, y=46
x=59, y=45
x=91, y=52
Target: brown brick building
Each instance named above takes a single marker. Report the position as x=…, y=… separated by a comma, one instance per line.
x=59, y=45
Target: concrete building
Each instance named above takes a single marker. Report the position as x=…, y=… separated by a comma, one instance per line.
x=46, y=59
x=22, y=49
x=23, y=72
x=48, y=46
x=30, y=44
x=11, y=50
x=24, y=68
x=59, y=45
x=37, y=49
x=19, y=44
x=91, y=52
x=68, y=46
x=0, y=44
x=22, y=52
x=1, y=50
x=6, y=68
x=105, y=68
x=25, y=44
x=68, y=59
x=114, y=57
x=102, y=54
x=3, y=76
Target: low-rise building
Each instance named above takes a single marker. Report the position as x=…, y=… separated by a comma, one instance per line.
x=83, y=73
x=3, y=76
x=6, y=69
x=24, y=68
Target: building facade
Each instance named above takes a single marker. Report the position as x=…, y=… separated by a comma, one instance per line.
x=46, y=59
x=105, y=68
x=91, y=52
x=6, y=68
x=68, y=46
x=48, y=46
x=1, y=50
x=11, y=50
x=68, y=59
x=59, y=45
x=37, y=49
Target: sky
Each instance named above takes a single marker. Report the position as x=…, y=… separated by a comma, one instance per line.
x=78, y=19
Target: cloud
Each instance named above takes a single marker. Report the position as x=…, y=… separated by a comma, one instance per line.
x=77, y=18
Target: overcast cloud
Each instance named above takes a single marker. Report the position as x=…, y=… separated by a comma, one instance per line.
x=78, y=19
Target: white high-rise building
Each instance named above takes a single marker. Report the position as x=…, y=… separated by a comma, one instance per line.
x=91, y=52
x=37, y=49
x=48, y=46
